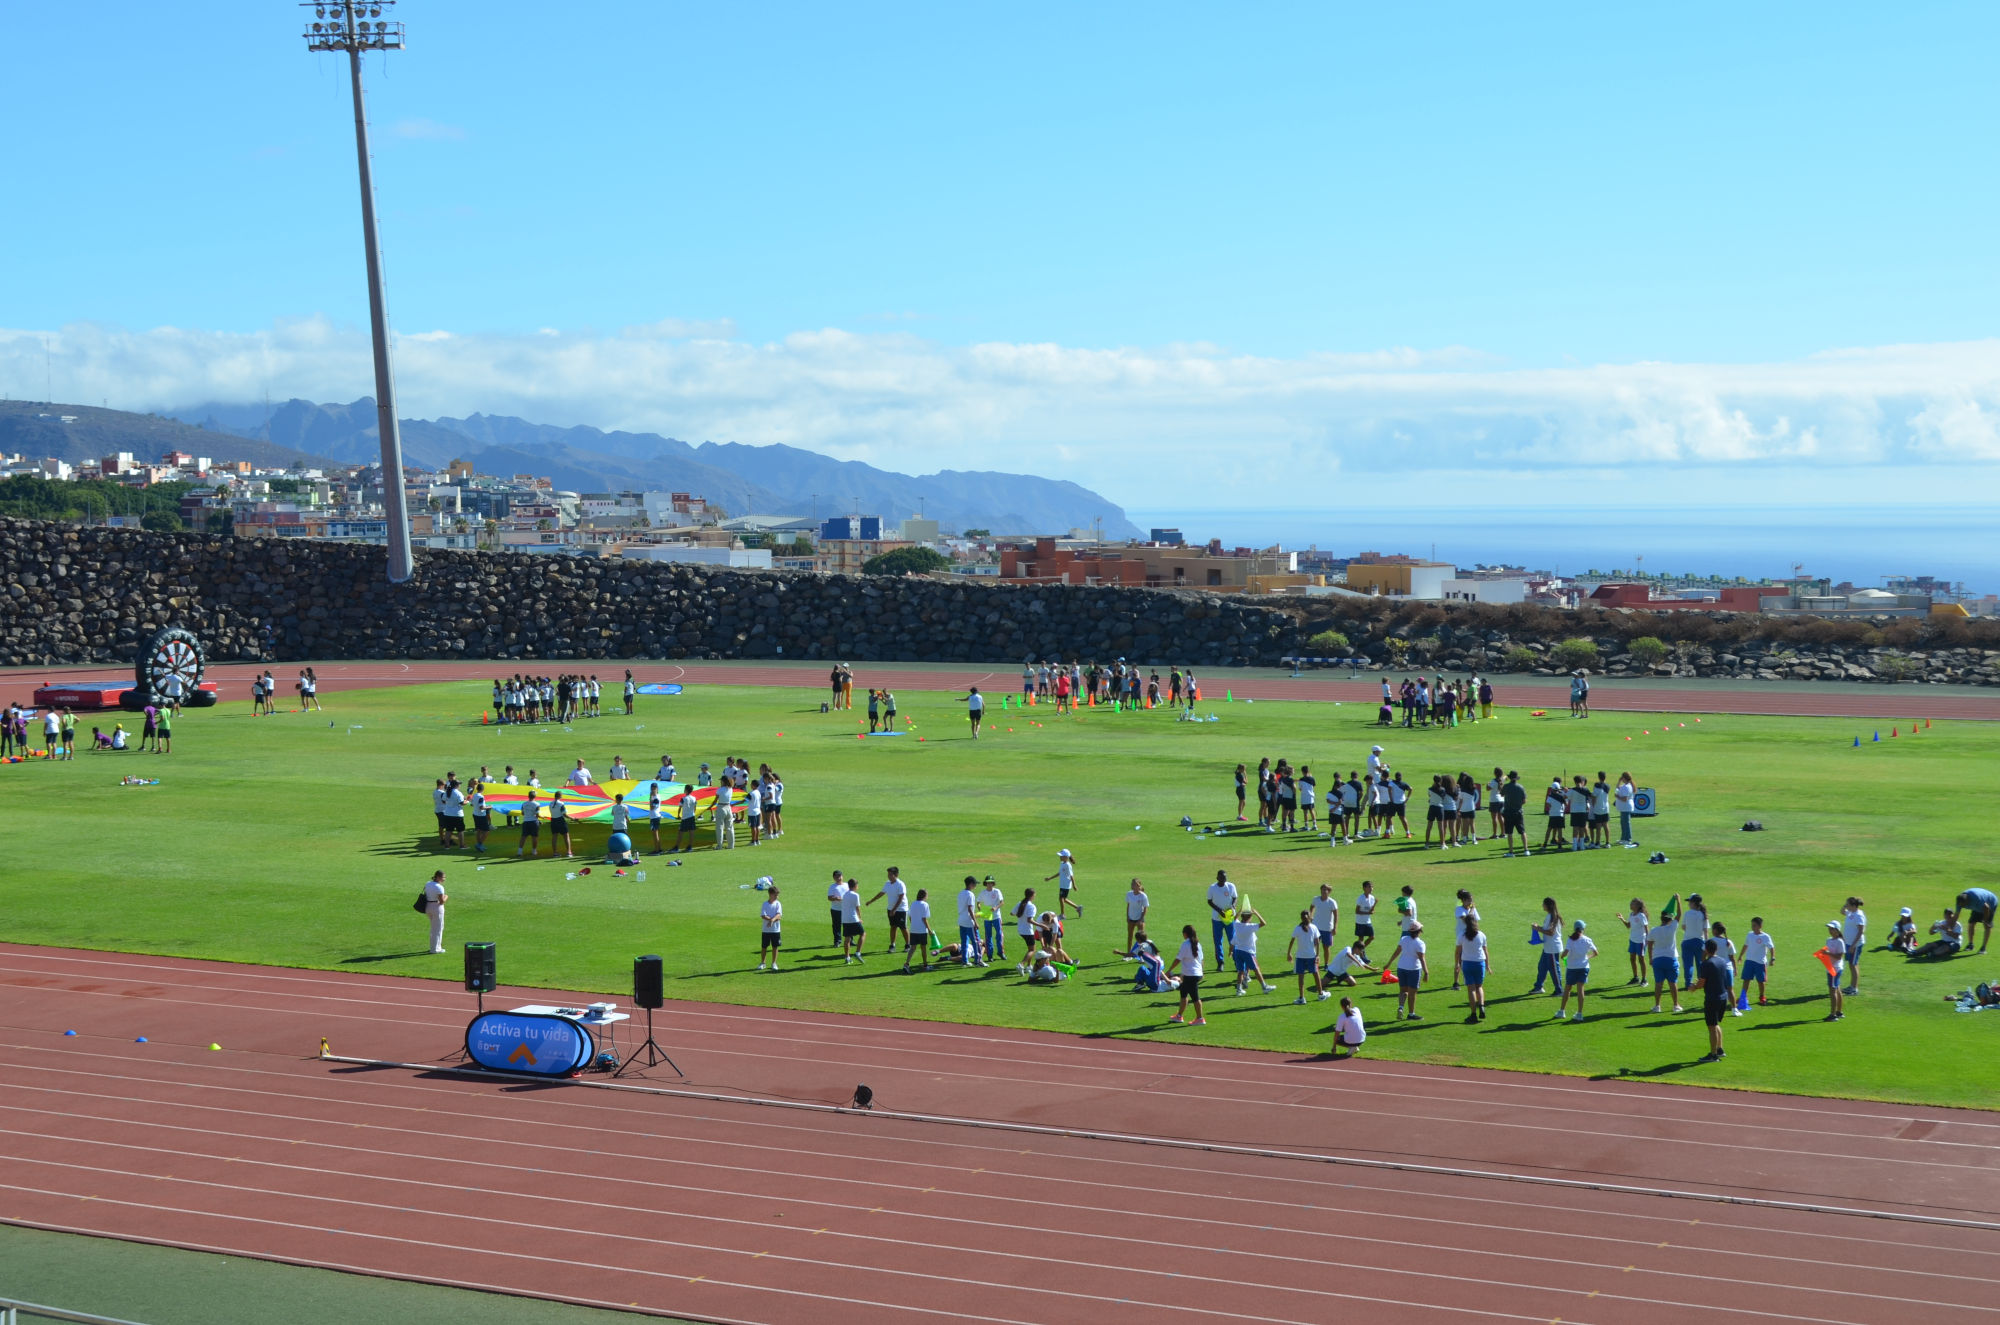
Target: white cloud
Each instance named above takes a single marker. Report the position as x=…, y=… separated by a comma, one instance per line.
x=1143, y=424
x=429, y=131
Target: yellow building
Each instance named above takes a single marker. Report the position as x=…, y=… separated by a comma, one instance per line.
x=1400, y=579
x=846, y=556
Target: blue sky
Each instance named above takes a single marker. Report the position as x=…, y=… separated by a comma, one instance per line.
x=1623, y=237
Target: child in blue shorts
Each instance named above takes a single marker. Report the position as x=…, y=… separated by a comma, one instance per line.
x=1758, y=952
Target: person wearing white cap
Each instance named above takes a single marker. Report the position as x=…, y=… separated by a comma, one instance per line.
x=1836, y=952
x=1065, y=877
x=1375, y=763
x=1576, y=969
x=1903, y=937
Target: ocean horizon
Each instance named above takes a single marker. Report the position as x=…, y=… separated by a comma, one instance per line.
x=1863, y=544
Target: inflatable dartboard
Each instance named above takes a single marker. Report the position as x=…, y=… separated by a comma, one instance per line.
x=173, y=653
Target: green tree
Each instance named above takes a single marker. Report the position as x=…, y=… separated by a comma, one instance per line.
x=1648, y=649
x=905, y=561
x=221, y=522
x=1521, y=658
x=1329, y=642
x=1574, y=652
x=162, y=522
x=977, y=533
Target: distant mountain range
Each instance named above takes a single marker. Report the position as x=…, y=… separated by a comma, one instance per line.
x=745, y=480
x=38, y=429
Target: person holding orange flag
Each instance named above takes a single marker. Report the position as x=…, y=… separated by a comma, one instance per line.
x=1830, y=957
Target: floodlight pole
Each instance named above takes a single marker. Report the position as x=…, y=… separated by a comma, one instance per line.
x=344, y=27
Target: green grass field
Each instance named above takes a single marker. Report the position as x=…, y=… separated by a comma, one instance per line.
x=167, y=1286
x=299, y=840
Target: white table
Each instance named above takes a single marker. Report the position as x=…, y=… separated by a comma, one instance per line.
x=603, y=1026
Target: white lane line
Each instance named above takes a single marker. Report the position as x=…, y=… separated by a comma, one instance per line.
x=1160, y=1209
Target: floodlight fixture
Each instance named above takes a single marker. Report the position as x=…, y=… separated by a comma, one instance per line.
x=345, y=26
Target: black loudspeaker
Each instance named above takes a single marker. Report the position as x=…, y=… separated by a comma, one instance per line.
x=482, y=968
x=649, y=981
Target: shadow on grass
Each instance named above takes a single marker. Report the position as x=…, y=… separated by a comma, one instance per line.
x=422, y=847
x=1664, y=1069
x=1427, y=1023
x=384, y=957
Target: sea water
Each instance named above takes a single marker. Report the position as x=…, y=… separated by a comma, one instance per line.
x=1854, y=543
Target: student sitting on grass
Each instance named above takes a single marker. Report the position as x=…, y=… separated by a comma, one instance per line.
x=1950, y=938
x=1903, y=935
x=1049, y=933
x=1042, y=969
x=1151, y=977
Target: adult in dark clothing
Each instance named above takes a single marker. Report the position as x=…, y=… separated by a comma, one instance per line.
x=1513, y=800
x=1714, y=983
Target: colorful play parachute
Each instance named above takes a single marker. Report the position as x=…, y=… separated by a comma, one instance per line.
x=592, y=803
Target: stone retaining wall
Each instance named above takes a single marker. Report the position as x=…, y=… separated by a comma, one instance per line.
x=74, y=595
x=80, y=595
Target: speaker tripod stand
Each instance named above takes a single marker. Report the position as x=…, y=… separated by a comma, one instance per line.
x=651, y=1049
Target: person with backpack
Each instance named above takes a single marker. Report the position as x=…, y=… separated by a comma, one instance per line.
x=431, y=903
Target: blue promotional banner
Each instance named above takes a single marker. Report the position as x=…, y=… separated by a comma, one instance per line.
x=533, y=1043
x=660, y=688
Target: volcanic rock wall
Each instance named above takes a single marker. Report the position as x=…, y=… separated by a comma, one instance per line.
x=75, y=595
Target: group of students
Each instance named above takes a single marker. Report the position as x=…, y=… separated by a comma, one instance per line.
x=1436, y=702
x=58, y=732
x=264, y=692
x=1376, y=804
x=1949, y=937
x=755, y=801
x=1688, y=949
x=553, y=699
x=1072, y=684
x=983, y=916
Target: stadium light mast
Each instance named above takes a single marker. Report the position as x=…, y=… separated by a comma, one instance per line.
x=354, y=26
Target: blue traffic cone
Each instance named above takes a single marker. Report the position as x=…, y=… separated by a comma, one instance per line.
x=1878, y=736
x=1857, y=742
x=1743, y=999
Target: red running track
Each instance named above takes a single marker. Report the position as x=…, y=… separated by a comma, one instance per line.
x=1362, y=1189
x=1885, y=703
